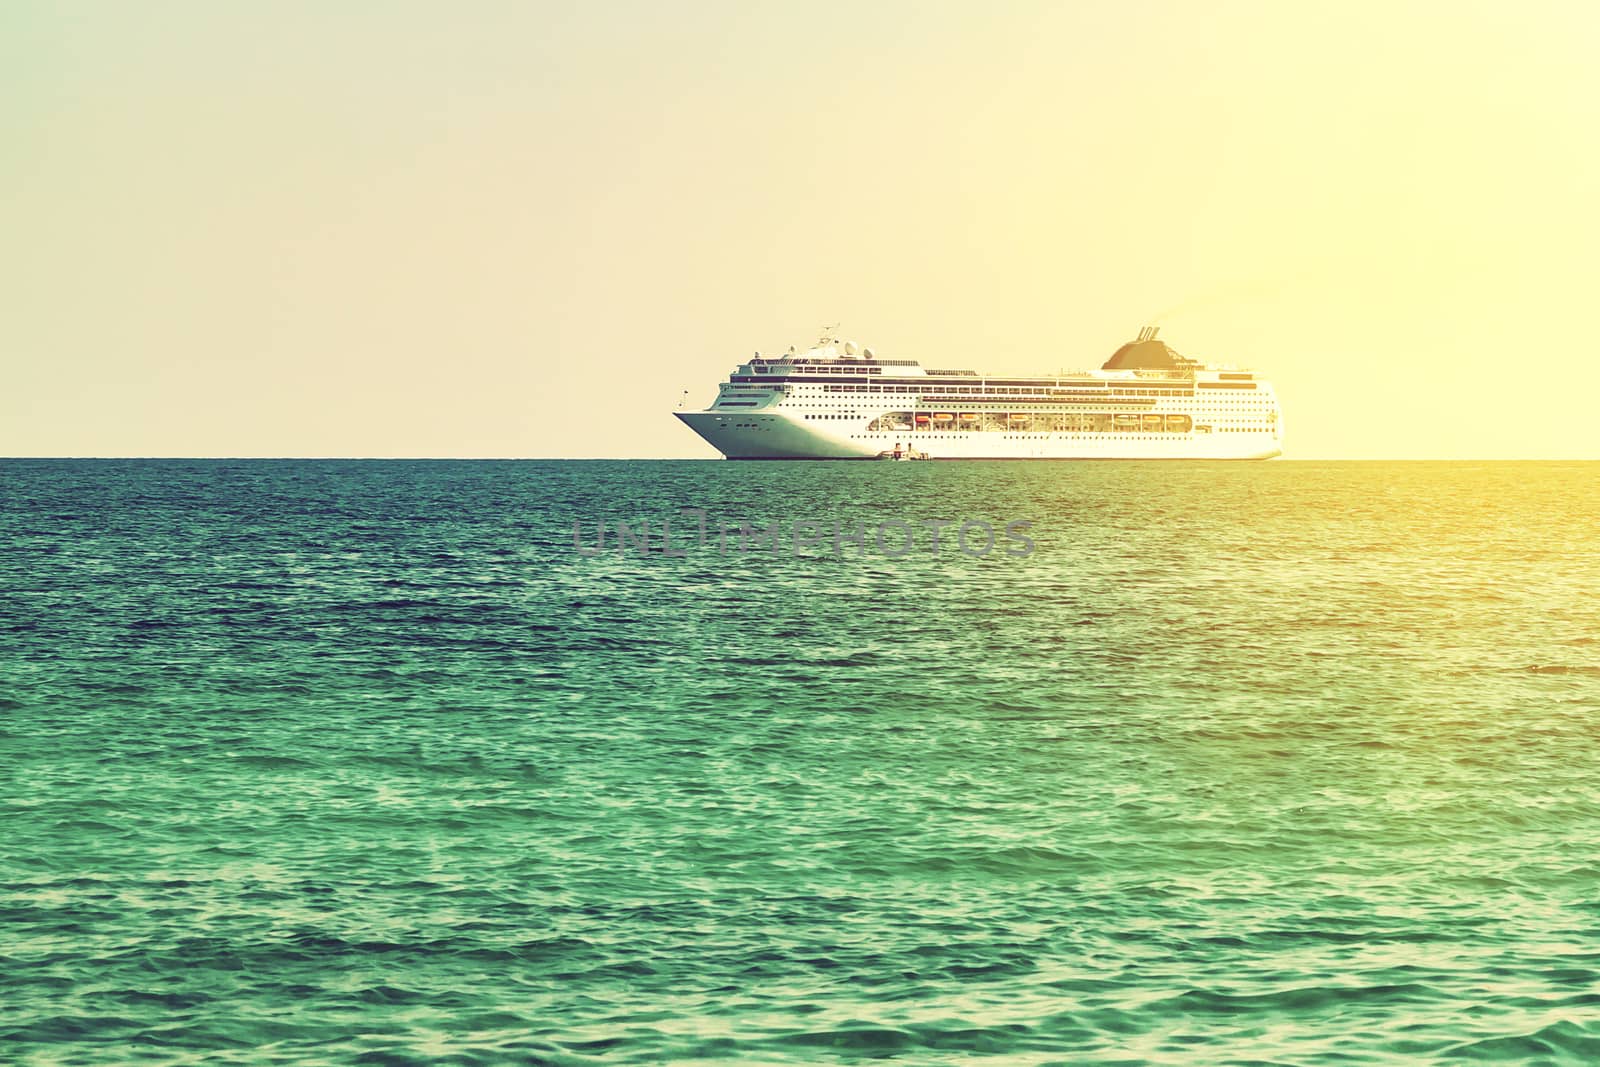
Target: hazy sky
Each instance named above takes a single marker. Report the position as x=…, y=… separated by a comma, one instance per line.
x=520, y=229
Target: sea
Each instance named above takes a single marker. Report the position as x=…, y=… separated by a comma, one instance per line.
x=393, y=762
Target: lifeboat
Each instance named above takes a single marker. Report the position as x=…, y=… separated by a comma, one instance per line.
x=922, y=418
x=1178, y=423
x=1127, y=419
x=1153, y=421
x=942, y=416
x=1020, y=418
x=969, y=418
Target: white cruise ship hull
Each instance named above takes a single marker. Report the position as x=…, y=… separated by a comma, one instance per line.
x=777, y=435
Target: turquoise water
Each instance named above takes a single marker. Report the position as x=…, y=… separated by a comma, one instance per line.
x=345, y=762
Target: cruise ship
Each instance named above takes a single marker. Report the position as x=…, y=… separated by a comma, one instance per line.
x=838, y=401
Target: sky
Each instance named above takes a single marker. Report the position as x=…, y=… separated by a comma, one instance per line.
x=525, y=229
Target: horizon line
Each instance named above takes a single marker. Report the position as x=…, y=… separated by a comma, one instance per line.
x=721, y=459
